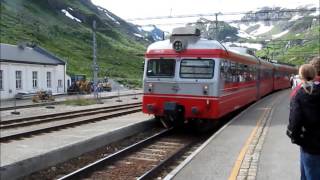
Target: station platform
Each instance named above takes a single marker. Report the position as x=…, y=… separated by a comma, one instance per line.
x=252, y=145
x=27, y=155
x=10, y=103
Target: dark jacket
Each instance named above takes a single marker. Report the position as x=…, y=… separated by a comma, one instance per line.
x=304, y=119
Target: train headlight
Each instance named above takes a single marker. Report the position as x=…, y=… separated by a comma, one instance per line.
x=150, y=108
x=150, y=87
x=205, y=89
x=177, y=46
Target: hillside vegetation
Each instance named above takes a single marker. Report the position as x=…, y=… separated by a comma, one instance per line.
x=43, y=23
x=284, y=35
x=298, y=45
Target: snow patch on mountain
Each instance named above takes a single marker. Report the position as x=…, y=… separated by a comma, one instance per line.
x=243, y=34
x=108, y=15
x=147, y=28
x=112, y=18
x=138, y=35
x=275, y=36
x=66, y=13
x=296, y=17
x=316, y=13
x=241, y=27
x=261, y=29
x=256, y=46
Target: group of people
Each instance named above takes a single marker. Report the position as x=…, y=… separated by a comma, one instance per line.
x=304, y=119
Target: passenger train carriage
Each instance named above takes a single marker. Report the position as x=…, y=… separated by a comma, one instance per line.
x=188, y=78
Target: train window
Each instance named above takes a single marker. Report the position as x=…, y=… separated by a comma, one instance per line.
x=252, y=73
x=241, y=72
x=197, y=68
x=161, y=67
x=225, y=71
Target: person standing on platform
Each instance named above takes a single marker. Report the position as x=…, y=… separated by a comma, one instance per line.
x=315, y=62
x=304, y=123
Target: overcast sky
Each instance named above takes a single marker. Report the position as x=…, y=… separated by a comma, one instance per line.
x=149, y=8
x=127, y=9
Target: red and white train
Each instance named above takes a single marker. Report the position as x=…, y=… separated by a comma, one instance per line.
x=190, y=79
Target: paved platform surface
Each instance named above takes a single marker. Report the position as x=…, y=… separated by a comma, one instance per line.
x=18, y=158
x=5, y=103
x=252, y=146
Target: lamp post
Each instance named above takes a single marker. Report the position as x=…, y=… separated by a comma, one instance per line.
x=119, y=100
x=95, y=65
x=15, y=112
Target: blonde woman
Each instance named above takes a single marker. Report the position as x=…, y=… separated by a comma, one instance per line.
x=315, y=62
x=304, y=123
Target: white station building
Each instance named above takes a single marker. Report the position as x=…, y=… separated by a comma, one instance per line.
x=26, y=70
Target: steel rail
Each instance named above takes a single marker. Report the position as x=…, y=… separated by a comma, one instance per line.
x=111, y=158
x=152, y=172
x=56, y=102
x=60, y=116
x=6, y=138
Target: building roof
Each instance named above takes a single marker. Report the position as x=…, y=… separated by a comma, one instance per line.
x=29, y=55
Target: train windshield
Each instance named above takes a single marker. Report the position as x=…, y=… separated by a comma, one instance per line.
x=161, y=67
x=197, y=68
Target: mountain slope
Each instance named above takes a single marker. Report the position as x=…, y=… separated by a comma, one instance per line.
x=64, y=28
x=291, y=36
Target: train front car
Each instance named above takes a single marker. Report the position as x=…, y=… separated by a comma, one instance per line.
x=181, y=78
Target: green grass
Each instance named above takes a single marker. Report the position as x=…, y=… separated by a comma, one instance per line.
x=36, y=21
x=299, y=51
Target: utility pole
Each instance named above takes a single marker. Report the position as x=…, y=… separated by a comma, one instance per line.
x=94, y=65
x=216, y=31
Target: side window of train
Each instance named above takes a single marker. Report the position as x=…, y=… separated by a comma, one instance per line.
x=242, y=72
x=239, y=73
x=224, y=70
x=246, y=73
x=233, y=72
x=254, y=73
x=251, y=73
x=228, y=76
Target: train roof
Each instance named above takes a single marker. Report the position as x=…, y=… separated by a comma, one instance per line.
x=200, y=44
x=285, y=67
x=200, y=47
x=186, y=42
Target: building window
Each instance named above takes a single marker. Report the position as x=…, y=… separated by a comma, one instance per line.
x=34, y=79
x=59, y=83
x=49, y=79
x=18, y=79
x=1, y=81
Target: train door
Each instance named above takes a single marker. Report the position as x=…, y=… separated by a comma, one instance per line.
x=223, y=77
x=273, y=77
x=258, y=79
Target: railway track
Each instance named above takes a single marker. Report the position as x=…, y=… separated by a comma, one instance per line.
x=142, y=160
x=55, y=102
x=24, y=127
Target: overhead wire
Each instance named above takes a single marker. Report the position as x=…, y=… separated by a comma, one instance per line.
x=221, y=14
